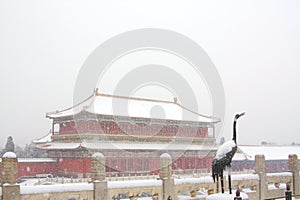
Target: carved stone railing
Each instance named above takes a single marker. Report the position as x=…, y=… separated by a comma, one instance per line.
x=258, y=185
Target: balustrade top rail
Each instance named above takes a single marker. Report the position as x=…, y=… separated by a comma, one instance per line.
x=258, y=186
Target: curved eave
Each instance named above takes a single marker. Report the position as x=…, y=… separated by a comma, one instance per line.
x=126, y=146
x=59, y=146
x=44, y=139
x=119, y=118
x=130, y=137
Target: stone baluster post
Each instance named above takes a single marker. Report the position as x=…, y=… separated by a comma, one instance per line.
x=98, y=177
x=293, y=167
x=260, y=169
x=10, y=190
x=165, y=175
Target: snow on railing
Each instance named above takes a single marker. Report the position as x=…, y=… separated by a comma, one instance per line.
x=56, y=188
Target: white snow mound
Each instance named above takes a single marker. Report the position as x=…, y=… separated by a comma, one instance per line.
x=98, y=155
x=165, y=155
x=9, y=155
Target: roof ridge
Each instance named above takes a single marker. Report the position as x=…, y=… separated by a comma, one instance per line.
x=134, y=98
x=96, y=93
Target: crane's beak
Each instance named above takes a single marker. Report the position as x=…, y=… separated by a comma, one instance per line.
x=242, y=114
x=239, y=115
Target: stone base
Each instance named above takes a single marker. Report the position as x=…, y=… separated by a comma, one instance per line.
x=168, y=188
x=100, y=190
x=10, y=192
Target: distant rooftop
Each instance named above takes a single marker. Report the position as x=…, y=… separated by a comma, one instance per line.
x=274, y=152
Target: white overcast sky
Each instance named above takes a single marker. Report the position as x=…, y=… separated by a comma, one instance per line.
x=255, y=46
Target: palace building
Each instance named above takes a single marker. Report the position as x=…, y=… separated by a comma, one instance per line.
x=131, y=133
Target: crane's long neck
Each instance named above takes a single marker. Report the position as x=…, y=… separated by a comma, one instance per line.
x=237, y=116
x=234, y=131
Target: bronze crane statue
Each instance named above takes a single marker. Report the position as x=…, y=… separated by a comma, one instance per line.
x=224, y=157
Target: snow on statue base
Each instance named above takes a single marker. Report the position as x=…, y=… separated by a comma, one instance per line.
x=227, y=196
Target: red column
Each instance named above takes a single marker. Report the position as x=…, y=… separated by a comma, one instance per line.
x=52, y=127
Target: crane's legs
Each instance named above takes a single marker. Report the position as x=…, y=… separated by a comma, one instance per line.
x=229, y=183
x=217, y=183
x=229, y=179
x=222, y=183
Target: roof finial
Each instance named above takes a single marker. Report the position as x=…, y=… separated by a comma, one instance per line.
x=175, y=100
x=96, y=91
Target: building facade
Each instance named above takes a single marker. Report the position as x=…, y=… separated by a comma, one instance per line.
x=130, y=135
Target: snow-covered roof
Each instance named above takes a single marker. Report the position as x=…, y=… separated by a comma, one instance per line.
x=65, y=146
x=248, y=152
x=34, y=160
x=105, y=104
x=125, y=146
x=44, y=139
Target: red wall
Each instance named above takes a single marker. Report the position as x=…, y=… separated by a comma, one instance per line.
x=72, y=166
x=31, y=168
x=98, y=127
